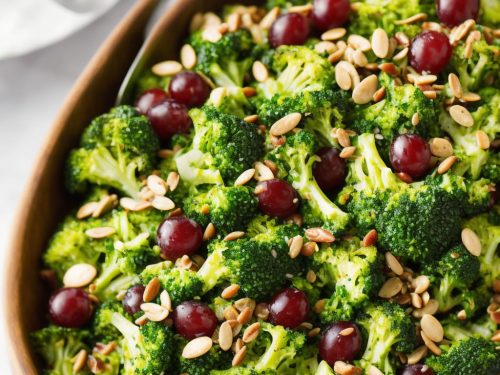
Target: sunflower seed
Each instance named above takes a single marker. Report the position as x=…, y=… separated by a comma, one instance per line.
x=347, y=152
x=234, y=236
x=167, y=68
x=390, y=288
x=415, y=18
x=393, y=264
x=251, y=332
x=225, y=336
x=482, y=139
x=461, y=115
x=363, y=92
x=319, y=235
x=230, y=291
x=234, y=22
x=325, y=47
x=156, y=185
x=421, y=284
x=431, y=308
x=343, y=368
x=295, y=246
x=370, y=238
x=197, y=347
x=80, y=360
x=260, y=71
x=285, y=124
x=446, y=164
x=269, y=18
x=244, y=177
x=342, y=77
x=188, y=56
x=333, y=34
x=471, y=242
x=263, y=172
x=455, y=85
x=359, y=42
x=417, y=355
x=209, y=232
x=380, y=43
x=432, y=328
x=151, y=290
x=100, y=232
x=79, y=275
x=154, y=312
x=211, y=34
x=430, y=344
x=441, y=147
x=86, y=210
x=401, y=54
x=162, y=203
x=239, y=356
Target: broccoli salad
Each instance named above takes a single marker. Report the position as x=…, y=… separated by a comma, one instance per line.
x=311, y=188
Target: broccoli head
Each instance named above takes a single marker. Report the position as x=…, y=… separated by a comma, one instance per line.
x=114, y=149
x=472, y=158
x=417, y=221
x=369, y=15
x=223, y=147
x=226, y=61
x=352, y=273
x=214, y=359
x=489, y=14
x=388, y=329
x=453, y=276
x=456, y=329
x=481, y=69
x=259, y=262
x=58, y=346
x=181, y=284
x=471, y=356
x=149, y=349
x=231, y=208
x=284, y=4
x=303, y=82
x=489, y=235
x=231, y=100
x=295, y=160
x=102, y=328
x=392, y=115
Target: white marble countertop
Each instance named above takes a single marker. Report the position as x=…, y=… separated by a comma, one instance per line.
x=32, y=88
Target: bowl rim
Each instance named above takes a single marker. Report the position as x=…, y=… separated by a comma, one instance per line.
x=21, y=360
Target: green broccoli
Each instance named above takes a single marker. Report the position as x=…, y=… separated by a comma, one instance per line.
x=388, y=329
x=303, y=82
x=489, y=235
x=259, y=262
x=114, y=149
x=216, y=359
x=230, y=208
x=149, y=349
x=223, y=147
x=70, y=245
x=102, y=328
x=352, y=274
x=295, y=161
x=275, y=349
x=284, y=4
x=452, y=277
x=480, y=70
x=181, y=284
x=471, y=356
x=416, y=221
x=489, y=14
x=232, y=101
x=226, y=61
x=110, y=362
x=392, y=115
x=58, y=346
x=369, y=15
x=472, y=159
x=456, y=329
x=149, y=80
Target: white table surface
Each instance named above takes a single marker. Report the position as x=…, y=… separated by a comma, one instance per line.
x=32, y=88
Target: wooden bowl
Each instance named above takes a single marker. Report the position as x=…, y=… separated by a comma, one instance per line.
x=45, y=201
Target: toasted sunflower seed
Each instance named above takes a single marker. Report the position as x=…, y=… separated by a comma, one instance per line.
x=86, y=210
x=197, y=347
x=225, y=336
x=79, y=275
x=188, y=56
x=380, y=43
x=461, y=115
x=244, y=177
x=230, y=291
x=363, y=93
x=285, y=124
x=441, y=147
x=154, y=312
x=471, y=242
x=100, y=232
x=432, y=328
x=167, y=68
x=333, y=34
x=391, y=287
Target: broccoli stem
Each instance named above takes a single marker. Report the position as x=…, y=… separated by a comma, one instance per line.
x=113, y=173
x=129, y=331
x=212, y=270
x=274, y=353
x=189, y=167
x=110, y=270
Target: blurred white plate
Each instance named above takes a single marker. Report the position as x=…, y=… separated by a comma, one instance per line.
x=28, y=25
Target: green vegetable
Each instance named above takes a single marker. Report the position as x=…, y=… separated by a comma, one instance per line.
x=114, y=150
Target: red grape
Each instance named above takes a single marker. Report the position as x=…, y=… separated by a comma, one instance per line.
x=194, y=319
x=149, y=98
x=168, y=118
x=430, y=52
x=330, y=172
x=277, y=198
x=289, y=308
x=178, y=236
x=289, y=29
x=341, y=341
x=411, y=154
x=133, y=299
x=189, y=88
x=454, y=12
x=70, y=307
x=417, y=369
x=328, y=14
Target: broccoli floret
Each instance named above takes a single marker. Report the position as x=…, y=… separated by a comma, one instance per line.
x=284, y=4
x=122, y=262
x=489, y=235
x=456, y=329
x=352, y=273
x=472, y=159
x=369, y=15
x=114, y=149
x=259, y=263
x=481, y=69
x=295, y=160
x=231, y=100
x=102, y=328
x=392, y=115
x=149, y=349
x=275, y=349
x=472, y=356
x=489, y=14
x=70, y=245
x=388, y=329
x=231, y=208
x=58, y=346
x=303, y=82
x=110, y=362
x=452, y=277
x=181, y=284
x=416, y=221
x=223, y=147
x=149, y=81
x=491, y=171
x=226, y=61
x=214, y=360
